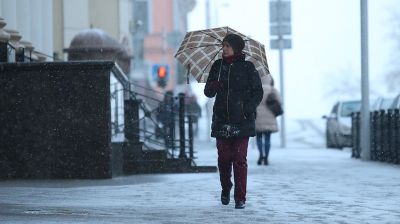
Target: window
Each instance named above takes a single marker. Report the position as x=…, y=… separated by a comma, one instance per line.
x=335, y=109
x=350, y=107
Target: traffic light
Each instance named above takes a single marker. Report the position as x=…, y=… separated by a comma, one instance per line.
x=162, y=75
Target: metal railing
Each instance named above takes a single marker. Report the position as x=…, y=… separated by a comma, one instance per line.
x=9, y=53
x=152, y=133
x=384, y=138
x=174, y=136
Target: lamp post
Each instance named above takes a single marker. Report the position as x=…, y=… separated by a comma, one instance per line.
x=365, y=121
x=280, y=31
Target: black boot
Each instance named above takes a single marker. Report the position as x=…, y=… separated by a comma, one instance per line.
x=266, y=161
x=240, y=205
x=225, y=197
x=260, y=159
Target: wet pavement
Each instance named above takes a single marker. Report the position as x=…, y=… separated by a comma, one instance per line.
x=301, y=185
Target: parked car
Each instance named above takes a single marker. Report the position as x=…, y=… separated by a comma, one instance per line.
x=338, y=124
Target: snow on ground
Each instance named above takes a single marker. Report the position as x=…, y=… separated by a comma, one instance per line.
x=303, y=184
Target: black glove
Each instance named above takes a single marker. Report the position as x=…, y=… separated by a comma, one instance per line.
x=216, y=85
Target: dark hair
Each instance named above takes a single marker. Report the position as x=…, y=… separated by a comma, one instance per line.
x=236, y=42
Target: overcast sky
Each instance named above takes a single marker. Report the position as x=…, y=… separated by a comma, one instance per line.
x=326, y=47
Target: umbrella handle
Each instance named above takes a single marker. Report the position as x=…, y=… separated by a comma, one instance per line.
x=187, y=74
x=219, y=73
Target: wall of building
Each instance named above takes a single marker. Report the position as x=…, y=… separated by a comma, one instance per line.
x=60, y=126
x=76, y=18
x=112, y=16
x=104, y=14
x=31, y=19
x=58, y=28
x=126, y=22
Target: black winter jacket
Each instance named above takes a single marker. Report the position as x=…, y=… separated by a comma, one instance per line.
x=234, y=110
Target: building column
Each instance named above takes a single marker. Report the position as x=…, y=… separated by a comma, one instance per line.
x=9, y=13
x=47, y=27
x=24, y=16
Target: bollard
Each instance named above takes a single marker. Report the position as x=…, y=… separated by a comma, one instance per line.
x=181, y=97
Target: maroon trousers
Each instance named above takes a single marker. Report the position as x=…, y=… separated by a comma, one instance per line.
x=233, y=152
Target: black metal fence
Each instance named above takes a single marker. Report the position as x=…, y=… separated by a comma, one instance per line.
x=9, y=53
x=173, y=131
x=384, y=135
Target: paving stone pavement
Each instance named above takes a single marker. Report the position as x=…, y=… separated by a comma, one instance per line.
x=301, y=185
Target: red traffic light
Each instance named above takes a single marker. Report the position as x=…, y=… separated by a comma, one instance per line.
x=162, y=72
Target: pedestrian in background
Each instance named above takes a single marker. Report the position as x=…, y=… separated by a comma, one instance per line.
x=193, y=108
x=238, y=90
x=266, y=122
x=166, y=116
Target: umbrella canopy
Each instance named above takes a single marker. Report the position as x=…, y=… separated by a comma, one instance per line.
x=199, y=49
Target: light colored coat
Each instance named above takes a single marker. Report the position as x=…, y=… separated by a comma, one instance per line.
x=265, y=120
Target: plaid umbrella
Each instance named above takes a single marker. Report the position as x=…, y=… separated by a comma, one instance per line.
x=199, y=49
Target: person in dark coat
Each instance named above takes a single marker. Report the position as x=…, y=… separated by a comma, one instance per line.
x=237, y=87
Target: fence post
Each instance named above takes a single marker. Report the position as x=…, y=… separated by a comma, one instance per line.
x=181, y=97
x=115, y=96
x=378, y=135
x=374, y=119
x=392, y=136
x=358, y=125
x=386, y=135
x=354, y=130
x=28, y=49
x=397, y=134
x=190, y=121
x=131, y=113
x=20, y=54
x=171, y=127
x=381, y=134
x=4, y=38
x=15, y=37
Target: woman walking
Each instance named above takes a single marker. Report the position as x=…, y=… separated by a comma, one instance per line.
x=237, y=87
x=266, y=122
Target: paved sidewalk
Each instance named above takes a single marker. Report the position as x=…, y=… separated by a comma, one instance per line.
x=300, y=186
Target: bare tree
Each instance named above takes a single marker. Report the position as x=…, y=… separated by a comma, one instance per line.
x=345, y=84
x=393, y=76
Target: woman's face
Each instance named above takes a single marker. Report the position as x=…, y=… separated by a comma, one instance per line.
x=227, y=50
